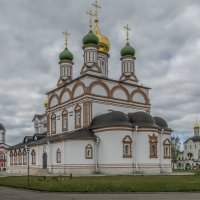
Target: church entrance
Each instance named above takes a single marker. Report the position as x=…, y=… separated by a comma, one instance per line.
x=44, y=157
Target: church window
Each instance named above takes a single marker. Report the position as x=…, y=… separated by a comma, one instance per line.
x=77, y=116
x=45, y=124
x=167, y=148
x=127, y=150
x=58, y=156
x=33, y=154
x=65, y=120
x=20, y=157
x=87, y=59
x=53, y=124
x=88, y=152
x=11, y=158
x=190, y=146
x=61, y=70
x=153, y=146
x=24, y=157
x=15, y=157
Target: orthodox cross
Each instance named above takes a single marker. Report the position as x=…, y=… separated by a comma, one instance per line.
x=97, y=6
x=91, y=15
x=66, y=35
x=127, y=29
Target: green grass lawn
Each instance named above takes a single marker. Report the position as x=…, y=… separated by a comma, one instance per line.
x=107, y=183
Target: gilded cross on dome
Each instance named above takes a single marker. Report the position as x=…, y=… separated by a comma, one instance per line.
x=127, y=29
x=66, y=35
x=91, y=14
x=97, y=6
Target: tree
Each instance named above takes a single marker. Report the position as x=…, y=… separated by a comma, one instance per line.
x=175, y=149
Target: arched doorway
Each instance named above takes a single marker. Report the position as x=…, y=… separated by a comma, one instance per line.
x=44, y=157
x=187, y=166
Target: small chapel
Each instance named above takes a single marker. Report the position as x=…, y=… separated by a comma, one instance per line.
x=93, y=123
x=189, y=158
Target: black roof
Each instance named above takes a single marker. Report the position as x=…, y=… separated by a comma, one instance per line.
x=2, y=127
x=39, y=136
x=117, y=118
x=161, y=122
x=114, y=118
x=142, y=119
x=75, y=134
x=39, y=116
x=194, y=139
x=28, y=138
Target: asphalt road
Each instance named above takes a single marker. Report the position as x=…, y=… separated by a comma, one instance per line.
x=20, y=194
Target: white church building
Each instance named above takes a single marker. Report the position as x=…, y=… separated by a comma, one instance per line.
x=95, y=124
x=189, y=158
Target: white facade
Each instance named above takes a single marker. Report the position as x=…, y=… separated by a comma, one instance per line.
x=94, y=124
x=190, y=157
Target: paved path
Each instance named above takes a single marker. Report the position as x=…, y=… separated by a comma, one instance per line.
x=20, y=194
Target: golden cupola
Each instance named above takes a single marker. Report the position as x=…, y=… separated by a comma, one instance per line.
x=104, y=43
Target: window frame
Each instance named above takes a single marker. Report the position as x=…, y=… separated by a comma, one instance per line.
x=33, y=157
x=167, y=144
x=89, y=149
x=127, y=142
x=53, y=124
x=64, y=116
x=153, y=146
x=78, y=111
x=58, y=156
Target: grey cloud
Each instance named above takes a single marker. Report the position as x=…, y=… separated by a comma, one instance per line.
x=165, y=35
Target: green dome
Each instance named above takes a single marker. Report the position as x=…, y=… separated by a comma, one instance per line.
x=66, y=55
x=128, y=50
x=90, y=38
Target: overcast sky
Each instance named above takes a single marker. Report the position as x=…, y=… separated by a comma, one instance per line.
x=165, y=34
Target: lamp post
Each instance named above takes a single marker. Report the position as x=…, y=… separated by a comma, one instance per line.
x=28, y=150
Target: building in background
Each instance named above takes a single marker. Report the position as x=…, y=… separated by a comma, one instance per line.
x=95, y=124
x=3, y=149
x=189, y=158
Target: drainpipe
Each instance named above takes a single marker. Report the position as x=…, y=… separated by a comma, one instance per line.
x=96, y=161
x=136, y=164
x=48, y=143
x=161, y=151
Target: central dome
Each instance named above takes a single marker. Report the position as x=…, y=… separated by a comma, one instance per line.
x=104, y=43
x=142, y=119
x=114, y=118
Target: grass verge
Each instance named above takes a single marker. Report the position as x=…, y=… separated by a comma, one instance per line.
x=106, y=184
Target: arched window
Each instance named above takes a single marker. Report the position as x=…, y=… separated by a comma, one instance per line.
x=127, y=149
x=24, y=157
x=167, y=148
x=33, y=154
x=88, y=152
x=58, y=156
x=20, y=157
x=15, y=157
x=64, y=120
x=11, y=158
x=153, y=146
x=53, y=124
x=78, y=116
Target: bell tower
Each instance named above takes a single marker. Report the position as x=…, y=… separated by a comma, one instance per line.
x=66, y=63
x=128, y=60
